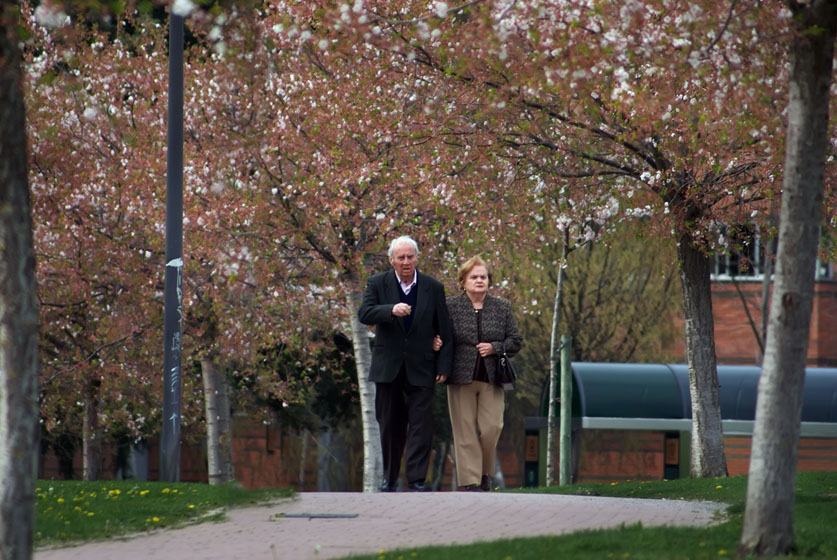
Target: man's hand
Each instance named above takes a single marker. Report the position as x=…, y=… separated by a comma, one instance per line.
x=400, y=310
x=437, y=343
x=441, y=378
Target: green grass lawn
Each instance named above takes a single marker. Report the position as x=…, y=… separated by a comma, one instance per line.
x=815, y=526
x=70, y=511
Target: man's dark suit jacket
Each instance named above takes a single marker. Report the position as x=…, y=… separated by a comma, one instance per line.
x=393, y=345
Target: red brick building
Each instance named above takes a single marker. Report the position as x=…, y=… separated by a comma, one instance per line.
x=607, y=455
x=735, y=340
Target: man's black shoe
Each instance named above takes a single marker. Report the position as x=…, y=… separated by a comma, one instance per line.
x=419, y=486
x=387, y=487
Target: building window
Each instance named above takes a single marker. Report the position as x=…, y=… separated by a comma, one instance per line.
x=825, y=270
x=746, y=256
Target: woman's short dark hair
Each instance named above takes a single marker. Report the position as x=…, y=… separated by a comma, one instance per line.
x=468, y=265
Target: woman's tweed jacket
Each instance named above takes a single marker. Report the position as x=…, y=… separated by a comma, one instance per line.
x=498, y=325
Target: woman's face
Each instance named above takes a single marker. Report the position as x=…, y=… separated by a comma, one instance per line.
x=476, y=281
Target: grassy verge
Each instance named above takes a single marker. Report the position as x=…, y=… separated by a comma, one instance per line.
x=71, y=511
x=815, y=519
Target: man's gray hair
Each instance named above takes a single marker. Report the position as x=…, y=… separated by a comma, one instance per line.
x=403, y=240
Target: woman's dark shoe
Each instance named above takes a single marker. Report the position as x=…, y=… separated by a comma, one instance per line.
x=485, y=483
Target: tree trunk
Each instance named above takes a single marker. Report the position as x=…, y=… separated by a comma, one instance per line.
x=218, y=423
x=707, y=449
x=554, y=358
x=324, y=459
x=499, y=480
x=767, y=280
x=373, y=464
x=18, y=309
x=768, y=517
x=91, y=435
x=441, y=461
x=303, y=459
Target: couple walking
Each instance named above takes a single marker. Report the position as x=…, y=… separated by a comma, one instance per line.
x=423, y=338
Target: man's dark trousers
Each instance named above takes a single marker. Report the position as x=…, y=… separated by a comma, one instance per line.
x=404, y=414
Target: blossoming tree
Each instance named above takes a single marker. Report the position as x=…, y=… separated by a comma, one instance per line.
x=634, y=98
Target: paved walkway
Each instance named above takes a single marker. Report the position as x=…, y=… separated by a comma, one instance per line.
x=336, y=525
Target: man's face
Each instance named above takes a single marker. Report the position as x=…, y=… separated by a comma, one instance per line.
x=403, y=260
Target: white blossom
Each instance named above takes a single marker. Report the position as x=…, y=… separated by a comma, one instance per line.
x=183, y=7
x=50, y=15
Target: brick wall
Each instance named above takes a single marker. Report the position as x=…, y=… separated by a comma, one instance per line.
x=264, y=457
x=615, y=455
x=814, y=454
x=735, y=342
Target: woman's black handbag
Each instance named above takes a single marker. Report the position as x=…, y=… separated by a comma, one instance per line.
x=506, y=375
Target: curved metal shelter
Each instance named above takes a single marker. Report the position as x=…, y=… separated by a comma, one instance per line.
x=656, y=396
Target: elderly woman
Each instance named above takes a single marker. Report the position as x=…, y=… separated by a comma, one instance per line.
x=482, y=326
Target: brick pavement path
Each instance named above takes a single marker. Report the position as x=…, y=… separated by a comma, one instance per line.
x=336, y=525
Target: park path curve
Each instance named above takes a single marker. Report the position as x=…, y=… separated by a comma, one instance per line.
x=316, y=525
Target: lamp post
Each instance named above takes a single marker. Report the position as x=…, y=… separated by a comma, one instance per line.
x=172, y=343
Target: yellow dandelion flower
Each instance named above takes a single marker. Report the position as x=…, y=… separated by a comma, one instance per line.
x=155, y=519
x=191, y=506
x=144, y=492
x=60, y=500
x=166, y=490
x=722, y=552
x=718, y=486
x=90, y=514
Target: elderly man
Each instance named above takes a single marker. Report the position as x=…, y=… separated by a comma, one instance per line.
x=408, y=310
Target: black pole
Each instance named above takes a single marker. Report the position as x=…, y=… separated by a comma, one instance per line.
x=172, y=344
